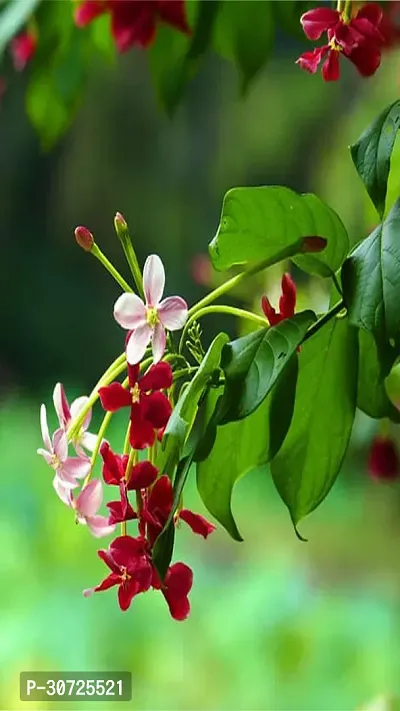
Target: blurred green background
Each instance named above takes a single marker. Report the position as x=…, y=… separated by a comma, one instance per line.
x=275, y=623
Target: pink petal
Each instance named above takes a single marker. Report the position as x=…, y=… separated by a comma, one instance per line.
x=137, y=344
x=172, y=312
x=76, y=467
x=76, y=408
x=88, y=440
x=90, y=498
x=158, y=342
x=130, y=311
x=60, y=445
x=99, y=526
x=66, y=479
x=153, y=280
x=47, y=455
x=45, y=429
x=61, y=406
x=62, y=491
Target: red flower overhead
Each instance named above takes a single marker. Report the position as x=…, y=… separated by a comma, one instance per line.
x=287, y=302
x=23, y=47
x=357, y=38
x=383, y=461
x=134, y=22
x=150, y=408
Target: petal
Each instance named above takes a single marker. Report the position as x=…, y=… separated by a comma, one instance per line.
x=89, y=440
x=197, y=523
x=174, y=14
x=63, y=492
x=269, y=312
x=61, y=406
x=60, y=445
x=114, y=396
x=172, y=312
x=142, y=475
x=126, y=550
x=287, y=302
x=331, y=67
x=100, y=526
x=316, y=22
x=126, y=592
x=47, y=455
x=76, y=467
x=153, y=280
x=141, y=432
x=129, y=311
x=76, y=408
x=178, y=583
x=88, y=11
x=138, y=343
x=133, y=372
x=106, y=556
x=117, y=514
x=158, y=342
x=372, y=13
x=113, y=469
x=366, y=58
x=90, y=498
x=310, y=61
x=156, y=409
x=45, y=429
x=158, y=377
x=66, y=479
x=160, y=499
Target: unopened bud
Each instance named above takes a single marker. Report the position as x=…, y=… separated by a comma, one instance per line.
x=314, y=244
x=84, y=238
x=121, y=226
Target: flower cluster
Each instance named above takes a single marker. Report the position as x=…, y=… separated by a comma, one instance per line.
x=134, y=22
x=145, y=393
x=356, y=37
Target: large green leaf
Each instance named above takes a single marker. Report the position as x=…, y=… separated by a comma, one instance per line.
x=239, y=447
x=185, y=410
x=309, y=461
x=253, y=363
x=372, y=152
x=245, y=34
x=371, y=280
x=270, y=223
x=13, y=18
x=372, y=397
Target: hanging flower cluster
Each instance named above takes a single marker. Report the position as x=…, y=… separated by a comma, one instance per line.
x=354, y=34
x=146, y=395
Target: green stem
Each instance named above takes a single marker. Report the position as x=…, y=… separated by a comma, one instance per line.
x=337, y=285
x=232, y=310
x=131, y=258
x=323, y=320
x=96, y=251
x=185, y=371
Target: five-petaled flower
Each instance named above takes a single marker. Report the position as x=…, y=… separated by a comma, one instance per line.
x=150, y=408
x=358, y=38
x=67, y=469
x=383, y=460
x=149, y=321
x=86, y=506
x=134, y=22
x=66, y=414
x=287, y=302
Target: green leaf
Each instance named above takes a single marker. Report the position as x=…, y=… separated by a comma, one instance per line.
x=174, y=57
x=13, y=18
x=287, y=15
x=245, y=33
x=372, y=397
x=309, y=461
x=240, y=447
x=270, y=223
x=372, y=152
x=185, y=410
x=371, y=280
x=253, y=363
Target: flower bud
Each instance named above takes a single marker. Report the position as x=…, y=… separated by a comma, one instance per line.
x=121, y=226
x=314, y=244
x=383, y=460
x=84, y=238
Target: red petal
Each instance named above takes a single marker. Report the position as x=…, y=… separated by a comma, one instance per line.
x=366, y=58
x=197, y=523
x=287, y=302
x=114, y=396
x=178, y=583
x=113, y=465
x=367, y=30
x=156, y=409
x=132, y=23
x=173, y=13
x=125, y=550
x=141, y=432
x=119, y=513
x=126, y=592
x=316, y=22
x=133, y=374
x=23, y=48
x=160, y=500
x=331, y=68
x=108, y=559
x=371, y=12
x=383, y=461
x=88, y=11
x=269, y=312
x=142, y=475
x=158, y=377
x=108, y=582
x=314, y=244
x=310, y=61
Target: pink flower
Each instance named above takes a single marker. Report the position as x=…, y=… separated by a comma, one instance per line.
x=23, y=47
x=87, y=505
x=149, y=321
x=67, y=414
x=67, y=469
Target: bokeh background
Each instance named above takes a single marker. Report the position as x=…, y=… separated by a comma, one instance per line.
x=276, y=624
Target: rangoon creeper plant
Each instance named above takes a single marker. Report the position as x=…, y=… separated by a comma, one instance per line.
x=284, y=395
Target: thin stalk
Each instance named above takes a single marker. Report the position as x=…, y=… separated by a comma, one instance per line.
x=233, y=311
x=96, y=251
x=323, y=320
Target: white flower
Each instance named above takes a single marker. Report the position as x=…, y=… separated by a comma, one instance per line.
x=67, y=469
x=66, y=414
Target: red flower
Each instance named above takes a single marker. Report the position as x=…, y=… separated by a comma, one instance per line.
x=150, y=409
x=130, y=569
x=23, y=48
x=358, y=38
x=177, y=585
x=134, y=22
x=383, y=461
x=287, y=302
